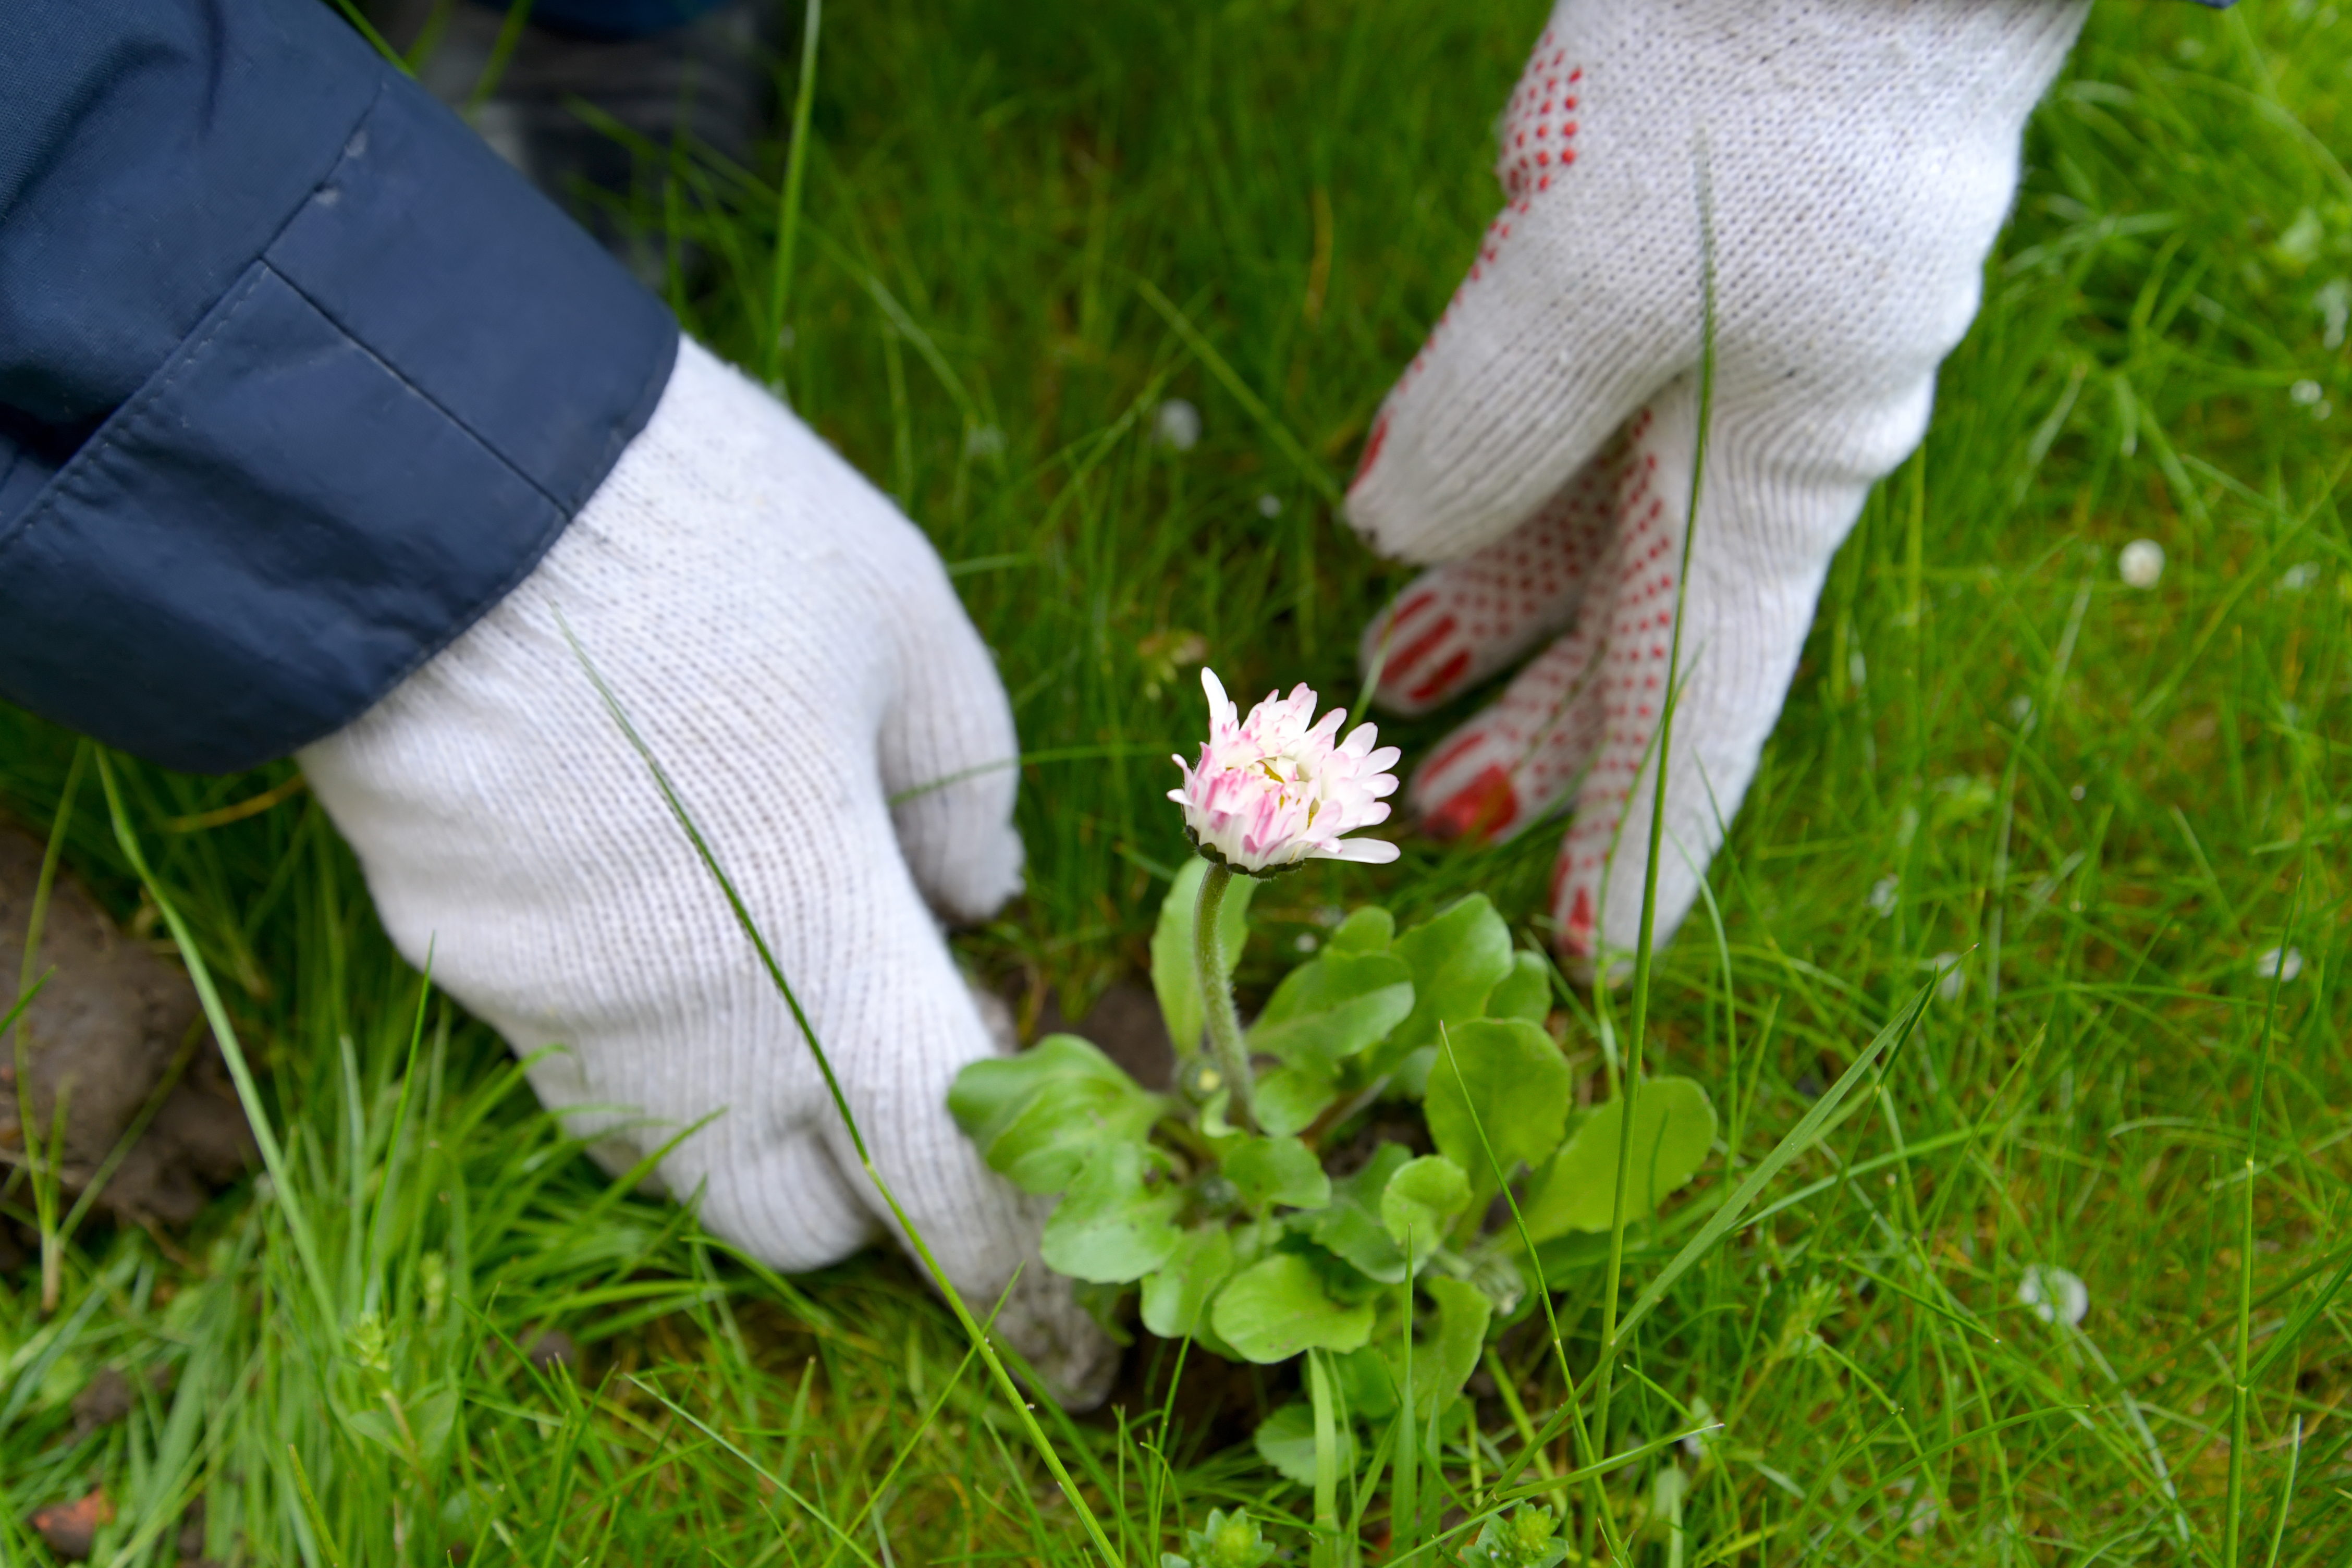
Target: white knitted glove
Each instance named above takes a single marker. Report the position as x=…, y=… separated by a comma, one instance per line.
x=1861, y=156
x=790, y=649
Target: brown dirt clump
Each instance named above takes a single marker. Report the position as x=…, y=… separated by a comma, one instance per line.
x=119, y=1033
x=71, y=1528
x=552, y=1348
x=104, y=1400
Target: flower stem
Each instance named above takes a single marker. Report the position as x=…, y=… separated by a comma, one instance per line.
x=1217, y=997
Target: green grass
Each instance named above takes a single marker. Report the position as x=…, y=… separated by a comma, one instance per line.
x=2112, y=801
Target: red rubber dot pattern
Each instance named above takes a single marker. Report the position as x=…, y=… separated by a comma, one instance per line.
x=1465, y=621
x=1538, y=144
x=1584, y=712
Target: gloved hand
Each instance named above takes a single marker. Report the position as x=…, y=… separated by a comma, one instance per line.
x=791, y=649
x=1861, y=156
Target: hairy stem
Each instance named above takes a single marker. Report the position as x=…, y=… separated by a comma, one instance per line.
x=1217, y=997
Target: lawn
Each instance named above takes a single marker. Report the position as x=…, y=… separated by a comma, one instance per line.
x=1024, y=228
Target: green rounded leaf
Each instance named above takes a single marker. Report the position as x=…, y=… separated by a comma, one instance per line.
x=1277, y=1171
x=1455, y=960
x=1277, y=1307
x=1350, y=1227
x=1525, y=992
x=1176, y=1296
x=1286, y=1440
x=988, y=1094
x=1368, y=930
x=1333, y=1006
x=1673, y=1128
x=1420, y=1199
x=1114, y=1226
x=1366, y=1384
x=1579, y=1250
x=1441, y=1366
x=1503, y=1076
x=1289, y=1098
x=1039, y=1117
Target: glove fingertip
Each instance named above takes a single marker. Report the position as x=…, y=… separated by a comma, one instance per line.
x=967, y=872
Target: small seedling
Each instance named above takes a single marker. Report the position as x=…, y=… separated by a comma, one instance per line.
x=1254, y=1211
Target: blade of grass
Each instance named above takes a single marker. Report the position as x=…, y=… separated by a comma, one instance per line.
x=502, y=50
x=328, y=1552
x=1405, y=1474
x=980, y=1340
x=1794, y=1142
x=1535, y=1446
x=1727, y=1219
x=788, y=200
x=1632, y=1456
x=815, y=1509
x=2241, y=1388
x=380, y=1213
x=285, y=1192
x=2286, y=1496
x=1317, y=477
x=44, y=1158
x=1644, y=940
x=366, y=29
x=1327, y=1552
x=1516, y=1408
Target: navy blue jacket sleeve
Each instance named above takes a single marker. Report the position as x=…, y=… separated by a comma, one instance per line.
x=297, y=378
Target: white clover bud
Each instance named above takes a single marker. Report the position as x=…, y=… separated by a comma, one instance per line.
x=2141, y=564
x=2279, y=963
x=2055, y=1295
x=1177, y=426
x=1885, y=894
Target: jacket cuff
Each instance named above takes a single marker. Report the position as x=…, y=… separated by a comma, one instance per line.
x=369, y=439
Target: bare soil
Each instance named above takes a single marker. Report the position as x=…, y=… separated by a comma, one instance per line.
x=116, y=1032
x=1125, y=1023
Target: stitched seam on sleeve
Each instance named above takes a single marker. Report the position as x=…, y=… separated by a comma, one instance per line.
x=393, y=370
x=127, y=419
x=622, y=432
x=132, y=416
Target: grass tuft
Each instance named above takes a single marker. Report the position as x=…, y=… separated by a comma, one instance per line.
x=2086, y=822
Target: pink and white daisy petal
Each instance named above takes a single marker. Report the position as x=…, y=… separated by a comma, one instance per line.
x=1279, y=786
